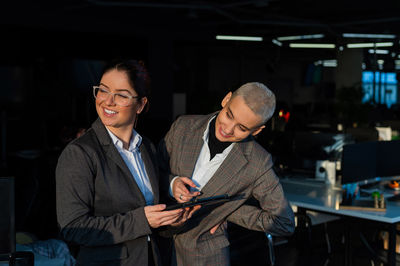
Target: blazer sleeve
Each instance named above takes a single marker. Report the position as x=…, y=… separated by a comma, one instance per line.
x=75, y=189
x=164, y=150
x=273, y=213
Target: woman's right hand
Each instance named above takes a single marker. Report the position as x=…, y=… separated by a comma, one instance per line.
x=156, y=216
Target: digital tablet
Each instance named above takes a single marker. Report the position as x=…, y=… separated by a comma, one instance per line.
x=202, y=201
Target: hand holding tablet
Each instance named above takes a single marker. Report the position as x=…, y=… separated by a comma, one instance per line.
x=203, y=201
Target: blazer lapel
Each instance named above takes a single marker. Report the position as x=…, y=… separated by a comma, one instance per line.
x=114, y=155
x=235, y=161
x=193, y=147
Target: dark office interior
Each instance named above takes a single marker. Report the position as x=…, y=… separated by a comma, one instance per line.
x=344, y=92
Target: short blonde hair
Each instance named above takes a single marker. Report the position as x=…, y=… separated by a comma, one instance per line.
x=258, y=98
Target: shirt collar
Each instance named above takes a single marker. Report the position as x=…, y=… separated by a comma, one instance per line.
x=134, y=143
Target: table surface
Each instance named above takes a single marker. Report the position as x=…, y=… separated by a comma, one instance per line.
x=318, y=196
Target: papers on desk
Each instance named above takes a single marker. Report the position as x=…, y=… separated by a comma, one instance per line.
x=356, y=198
x=365, y=203
x=362, y=205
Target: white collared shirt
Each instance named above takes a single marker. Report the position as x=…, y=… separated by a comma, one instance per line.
x=205, y=168
x=133, y=160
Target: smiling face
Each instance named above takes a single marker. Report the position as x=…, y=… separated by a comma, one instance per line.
x=118, y=118
x=236, y=121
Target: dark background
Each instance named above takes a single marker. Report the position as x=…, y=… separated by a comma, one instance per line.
x=52, y=53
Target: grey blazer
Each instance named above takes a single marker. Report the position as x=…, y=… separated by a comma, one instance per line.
x=99, y=205
x=246, y=172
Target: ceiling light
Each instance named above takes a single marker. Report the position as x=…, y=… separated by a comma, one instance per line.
x=360, y=35
x=372, y=51
x=300, y=37
x=369, y=44
x=276, y=42
x=360, y=45
x=384, y=44
x=380, y=61
x=239, y=38
x=329, y=64
x=312, y=45
x=326, y=63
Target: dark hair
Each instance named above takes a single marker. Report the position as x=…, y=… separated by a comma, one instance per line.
x=138, y=76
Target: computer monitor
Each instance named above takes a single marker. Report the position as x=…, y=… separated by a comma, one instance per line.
x=388, y=163
x=359, y=162
x=368, y=160
x=7, y=229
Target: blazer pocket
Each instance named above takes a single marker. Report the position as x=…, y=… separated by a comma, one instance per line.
x=209, y=243
x=102, y=253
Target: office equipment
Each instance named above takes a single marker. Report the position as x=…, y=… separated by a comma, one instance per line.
x=326, y=171
x=308, y=147
x=326, y=199
x=388, y=163
x=368, y=160
x=359, y=162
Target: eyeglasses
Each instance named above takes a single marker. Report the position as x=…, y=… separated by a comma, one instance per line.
x=121, y=99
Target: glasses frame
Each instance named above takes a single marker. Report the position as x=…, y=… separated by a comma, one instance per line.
x=113, y=95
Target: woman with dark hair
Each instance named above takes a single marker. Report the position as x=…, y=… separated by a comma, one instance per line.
x=107, y=179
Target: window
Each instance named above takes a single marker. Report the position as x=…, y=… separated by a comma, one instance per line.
x=385, y=89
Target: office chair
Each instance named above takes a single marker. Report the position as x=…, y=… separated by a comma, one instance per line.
x=247, y=247
x=7, y=227
x=376, y=248
x=303, y=223
x=302, y=238
x=271, y=251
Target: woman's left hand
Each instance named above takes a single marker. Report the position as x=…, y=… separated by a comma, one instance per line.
x=186, y=215
x=156, y=216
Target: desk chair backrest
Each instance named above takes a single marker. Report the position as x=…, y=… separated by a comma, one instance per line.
x=7, y=226
x=7, y=217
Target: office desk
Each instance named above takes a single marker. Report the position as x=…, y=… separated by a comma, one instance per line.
x=311, y=195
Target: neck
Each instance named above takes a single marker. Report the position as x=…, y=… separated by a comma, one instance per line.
x=124, y=134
